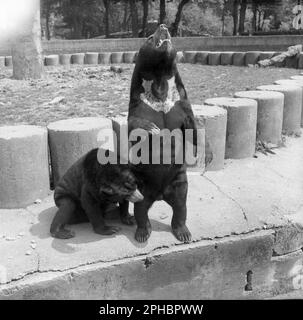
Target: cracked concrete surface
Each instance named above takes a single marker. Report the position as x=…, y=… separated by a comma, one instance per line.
x=248, y=195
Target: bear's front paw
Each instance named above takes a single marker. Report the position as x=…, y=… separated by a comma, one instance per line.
x=107, y=230
x=63, y=234
x=142, y=234
x=182, y=234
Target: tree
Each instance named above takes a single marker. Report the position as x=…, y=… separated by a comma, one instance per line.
x=106, y=17
x=134, y=16
x=235, y=16
x=145, y=16
x=162, y=11
x=242, y=16
x=26, y=45
x=175, y=24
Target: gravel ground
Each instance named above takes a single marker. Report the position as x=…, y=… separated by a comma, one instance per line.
x=78, y=91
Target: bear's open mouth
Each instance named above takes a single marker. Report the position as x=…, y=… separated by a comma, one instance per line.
x=162, y=36
x=161, y=41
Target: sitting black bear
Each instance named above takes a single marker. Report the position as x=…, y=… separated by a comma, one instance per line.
x=87, y=189
x=158, y=100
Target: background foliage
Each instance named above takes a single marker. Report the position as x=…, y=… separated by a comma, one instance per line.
x=82, y=19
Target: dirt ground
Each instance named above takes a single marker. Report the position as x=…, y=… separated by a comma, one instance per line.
x=78, y=91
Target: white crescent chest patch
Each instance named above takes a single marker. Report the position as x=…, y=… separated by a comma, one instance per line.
x=156, y=104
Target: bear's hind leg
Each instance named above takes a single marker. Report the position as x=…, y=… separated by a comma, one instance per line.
x=125, y=217
x=175, y=196
x=143, y=224
x=66, y=209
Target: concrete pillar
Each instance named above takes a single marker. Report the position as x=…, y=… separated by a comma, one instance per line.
x=270, y=113
x=300, y=61
x=202, y=57
x=78, y=58
x=180, y=57
x=129, y=56
x=70, y=139
x=24, y=169
x=298, y=82
x=2, y=62
x=214, y=119
x=199, y=166
x=214, y=58
x=241, y=125
x=252, y=57
x=190, y=56
x=120, y=127
x=239, y=59
x=51, y=60
x=91, y=58
x=8, y=61
x=116, y=57
x=292, y=106
x=65, y=58
x=226, y=58
x=104, y=57
x=291, y=62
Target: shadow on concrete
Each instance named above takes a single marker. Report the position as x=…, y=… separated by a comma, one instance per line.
x=84, y=233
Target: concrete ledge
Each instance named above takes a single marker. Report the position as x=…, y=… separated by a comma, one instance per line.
x=227, y=43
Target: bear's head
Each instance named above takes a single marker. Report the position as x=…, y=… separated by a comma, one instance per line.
x=158, y=52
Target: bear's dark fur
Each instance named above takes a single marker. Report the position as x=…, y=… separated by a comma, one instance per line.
x=87, y=189
x=158, y=100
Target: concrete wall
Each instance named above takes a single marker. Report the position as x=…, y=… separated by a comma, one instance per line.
x=240, y=43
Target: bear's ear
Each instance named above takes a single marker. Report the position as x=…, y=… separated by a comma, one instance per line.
x=130, y=186
x=107, y=190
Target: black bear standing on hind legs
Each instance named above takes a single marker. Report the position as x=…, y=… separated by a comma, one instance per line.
x=158, y=101
x=87, y=189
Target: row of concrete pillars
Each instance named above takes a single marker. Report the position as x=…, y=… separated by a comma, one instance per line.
x=201, y=57
x=30, y=155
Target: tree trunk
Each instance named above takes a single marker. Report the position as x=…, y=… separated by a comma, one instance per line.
x=134, y=15
x=162, y=11
x=26, y=46
x=235, y=16
x=125, y=16
x=145, y=15
x=223, y=17
x=77, y=27
x=106, y=17
x=175, y=24
x=254, y=20
x=242, y=16
x=47, y=14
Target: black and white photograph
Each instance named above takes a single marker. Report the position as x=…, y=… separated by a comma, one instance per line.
x=151, y=150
